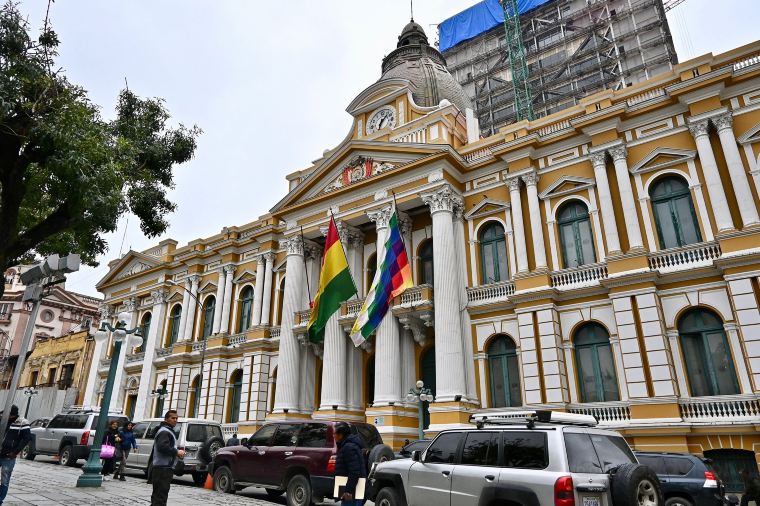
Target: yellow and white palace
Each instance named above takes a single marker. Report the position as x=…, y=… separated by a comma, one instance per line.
x=603, y=260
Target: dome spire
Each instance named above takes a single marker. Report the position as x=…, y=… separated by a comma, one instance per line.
x=411, y=10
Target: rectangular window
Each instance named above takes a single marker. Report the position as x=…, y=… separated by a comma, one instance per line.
x=678, y=466
x=609, y=452
x=139, y=429
x=525, y=450
x=196, y=433
x=480, y=449
x=313, y=435
x=286, y=435
x=444, y=449
x=656, y=464
x=263, y=436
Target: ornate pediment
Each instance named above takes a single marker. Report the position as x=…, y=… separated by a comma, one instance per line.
x=245, y=277
x=661, y=158
x=208, y=287
x=358, y=169
x=129, y=265
x=750, y=136
x=565, y=186
x=487, y=207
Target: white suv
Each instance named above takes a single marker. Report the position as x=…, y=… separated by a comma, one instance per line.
x=519, y=459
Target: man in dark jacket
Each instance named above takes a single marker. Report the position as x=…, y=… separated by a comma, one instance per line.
x=233, y=441
x=751, y=488
x=17, y=435
x=349, y=462
x=165, y=455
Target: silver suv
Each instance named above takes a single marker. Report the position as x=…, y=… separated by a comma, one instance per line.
x=68, y=435
x=540, y=458
x=200, y=439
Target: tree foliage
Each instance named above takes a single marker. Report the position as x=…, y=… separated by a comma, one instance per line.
x=66, y=173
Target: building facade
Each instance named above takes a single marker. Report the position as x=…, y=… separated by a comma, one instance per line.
x=573, y=47
x=600, y=260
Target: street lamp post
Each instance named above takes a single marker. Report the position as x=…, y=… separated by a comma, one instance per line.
x=420, y=395
x=29, y=392
x=90, y=476
x=159, y=394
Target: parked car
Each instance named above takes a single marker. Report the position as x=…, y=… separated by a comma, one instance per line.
x=296, y=458
x=201, y=439
x=68, y=435
x=687, y=480
x=521, y=459
x=40, y=422
x=406, y=451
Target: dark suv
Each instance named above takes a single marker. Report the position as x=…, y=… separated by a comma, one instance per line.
x=686, y=479
x=294, y=457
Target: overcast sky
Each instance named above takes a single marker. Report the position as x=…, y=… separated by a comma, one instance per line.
x=268, y=82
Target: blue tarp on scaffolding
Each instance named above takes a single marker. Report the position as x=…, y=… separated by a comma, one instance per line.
x=479, y=18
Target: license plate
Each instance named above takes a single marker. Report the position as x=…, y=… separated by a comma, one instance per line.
x=591, y=501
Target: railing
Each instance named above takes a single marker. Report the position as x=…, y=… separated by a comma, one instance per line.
x=608, y=413
x=104, y=362
x=647, y=95
x=354, y=306
x=413, y=295
x=274, y=332
x=228, y=429
x=491, y=293
x=747, y=62
x=418, y=136
x=686, y=257
x=554, y=127
x=199, y=346
x=135, y=357
x=724, y=408
x=302, y=317
x=584, y=275
x=163, y=352
x=237, y=339
x=477, y=155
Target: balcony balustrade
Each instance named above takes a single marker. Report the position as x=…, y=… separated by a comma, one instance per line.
x=687, y=257
x=135, y=357
x=237, y=339
x=228, y=429
x=607, y=413
x=722, y=409
x=164, y=352
x=199, y=346
x=487, y=294
x=274, y=332
x=579, y=277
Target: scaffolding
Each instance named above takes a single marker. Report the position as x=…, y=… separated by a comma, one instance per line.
x=573, y=48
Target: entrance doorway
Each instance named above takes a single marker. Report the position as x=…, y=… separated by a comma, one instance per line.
x=729, y=463
x=130, y=408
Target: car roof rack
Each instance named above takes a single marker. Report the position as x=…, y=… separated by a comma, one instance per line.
x=70, y=410
x=531, y=418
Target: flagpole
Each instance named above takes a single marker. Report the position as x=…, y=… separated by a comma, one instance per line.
x=332, y=218
x=306, y=269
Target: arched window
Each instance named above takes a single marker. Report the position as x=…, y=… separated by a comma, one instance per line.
x=596, y=366
x=505, y=373
x=195, y=397
x=246, y=308
x=426, y=262
x=709, y=365
x=174, y=318
x=161, y=391
x=493, y=253
x=208, y=316
x=674, y=213
x=144, y=329
x=235, y=390
x=575, y=234
x=371, y=270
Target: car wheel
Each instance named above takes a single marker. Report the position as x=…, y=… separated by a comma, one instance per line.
x=199, y=478
x=274, y=492
x=223, y=480
x=209, y=448
x=387, y=497
x=381, y=453
x=678, y=501
x=299, y=491
x=66, y=458
x=27, y=452
x=636, y=485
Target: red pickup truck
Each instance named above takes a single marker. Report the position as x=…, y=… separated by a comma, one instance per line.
x=294, y=457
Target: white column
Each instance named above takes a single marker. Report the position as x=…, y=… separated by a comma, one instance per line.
x=117, y=395
x=464, y=315
x=334, y=366
x=220, y=286
x=598, y=160
x=517, y=224
x=678, y=365
x=617, y=356
x=185, y=310
x=158, y=315
x=191, y=305
x=387, y=339
x=408, y=361
x=289, y=364
x=267, y=299
x=258, y=289
x=90, y=391
x=699, y=130
x=536, y=223
x=450, y=380
x=631, y=216
x=739, y=181
x=732, y=332
x=227, y=307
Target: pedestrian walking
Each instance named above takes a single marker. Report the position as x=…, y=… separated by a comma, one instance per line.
x=128, y=444
x=17, y=435
x=751, y=488
x=110, y=438
x=233, y=441
x=349, y=462
x=165, y=455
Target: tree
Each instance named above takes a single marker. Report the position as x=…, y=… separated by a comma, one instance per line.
x=66, y=173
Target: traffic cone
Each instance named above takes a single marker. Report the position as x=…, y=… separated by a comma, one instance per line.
x=209, y=485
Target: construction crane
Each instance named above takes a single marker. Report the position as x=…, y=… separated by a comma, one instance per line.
x=517, y=61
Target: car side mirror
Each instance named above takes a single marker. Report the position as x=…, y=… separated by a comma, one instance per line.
x=417, y=456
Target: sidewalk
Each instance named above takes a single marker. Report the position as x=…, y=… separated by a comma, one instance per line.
x=46, y=483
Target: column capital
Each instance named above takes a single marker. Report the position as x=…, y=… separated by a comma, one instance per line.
x=618, y=153
x=530, y=179
x=229, y=269
x=699, y=128
x=195, y=279
x=513, y=183
x=311, y=249
x=293, y=245
x=269, y=257
x=160, y=296
x=442, y=199
x=724, y=121
x=598, y=159
x=105, y=311
x=130, y=304
x=404, y=223
x=380, y=217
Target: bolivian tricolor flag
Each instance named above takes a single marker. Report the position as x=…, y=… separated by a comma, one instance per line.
x=335, y=285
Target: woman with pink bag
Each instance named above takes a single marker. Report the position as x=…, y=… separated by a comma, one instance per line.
x=111, y=440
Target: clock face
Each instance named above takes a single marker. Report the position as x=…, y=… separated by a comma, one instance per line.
x=384, y=117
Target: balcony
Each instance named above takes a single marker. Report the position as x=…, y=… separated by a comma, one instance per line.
x=579, y=277
x=228, y=429
x=164, y=352
x=237, y=339
x=489, y=294
x=134, y=357
x=609, y=414
x=274, y=332
x=685, y=258
x=726, y=409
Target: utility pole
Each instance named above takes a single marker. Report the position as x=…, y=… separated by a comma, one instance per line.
x=517, y=61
